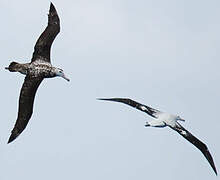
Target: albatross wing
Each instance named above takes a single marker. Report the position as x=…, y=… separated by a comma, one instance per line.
x=150, y=111
x=196, y=142
x=26, y=101
x=43, y=44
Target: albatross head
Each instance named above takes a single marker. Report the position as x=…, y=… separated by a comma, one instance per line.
x=178, y=118
x=59, y=72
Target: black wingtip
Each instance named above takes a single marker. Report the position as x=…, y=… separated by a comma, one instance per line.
x=52, y=7
x=101, y=99
x=121, y=100
x=213, y=167
x=12, y=138
x=208, y=156
x=53, y=18
x=108, y=99
x=216, y=173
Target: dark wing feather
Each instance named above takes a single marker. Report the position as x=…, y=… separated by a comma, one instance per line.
x=26, y=101
x=196, y=142
x=43, y=45
x=150, y=111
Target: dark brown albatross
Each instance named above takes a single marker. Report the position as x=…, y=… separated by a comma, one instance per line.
x=35, y=71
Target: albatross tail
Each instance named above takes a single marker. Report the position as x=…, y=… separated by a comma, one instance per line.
x=17, y=67
x=13, y=67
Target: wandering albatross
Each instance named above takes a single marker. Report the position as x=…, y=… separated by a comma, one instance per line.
x=165, y=119
x=35, y=71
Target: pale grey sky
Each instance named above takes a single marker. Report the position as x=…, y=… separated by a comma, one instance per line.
x=164, y=54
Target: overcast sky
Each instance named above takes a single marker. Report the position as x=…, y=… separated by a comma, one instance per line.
x=164, y=54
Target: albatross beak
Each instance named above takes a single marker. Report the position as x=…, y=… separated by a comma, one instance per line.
x=64, y=77
x=182, y=119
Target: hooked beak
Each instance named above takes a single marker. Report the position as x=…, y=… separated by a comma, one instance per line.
x=64, y=77
x=180, y=119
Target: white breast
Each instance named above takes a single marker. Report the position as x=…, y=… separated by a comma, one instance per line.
x=169, y=119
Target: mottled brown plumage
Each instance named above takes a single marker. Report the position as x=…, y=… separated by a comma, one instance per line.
x=35, y=72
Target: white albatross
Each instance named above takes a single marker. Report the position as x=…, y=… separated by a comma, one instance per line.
x=165, y=119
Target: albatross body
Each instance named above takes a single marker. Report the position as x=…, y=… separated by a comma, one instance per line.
x=35, y=71
x=163, y=119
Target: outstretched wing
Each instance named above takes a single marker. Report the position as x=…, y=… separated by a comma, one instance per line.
x=150, y=111
x=196, y=142
x=26, y=101
x=43, y=45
